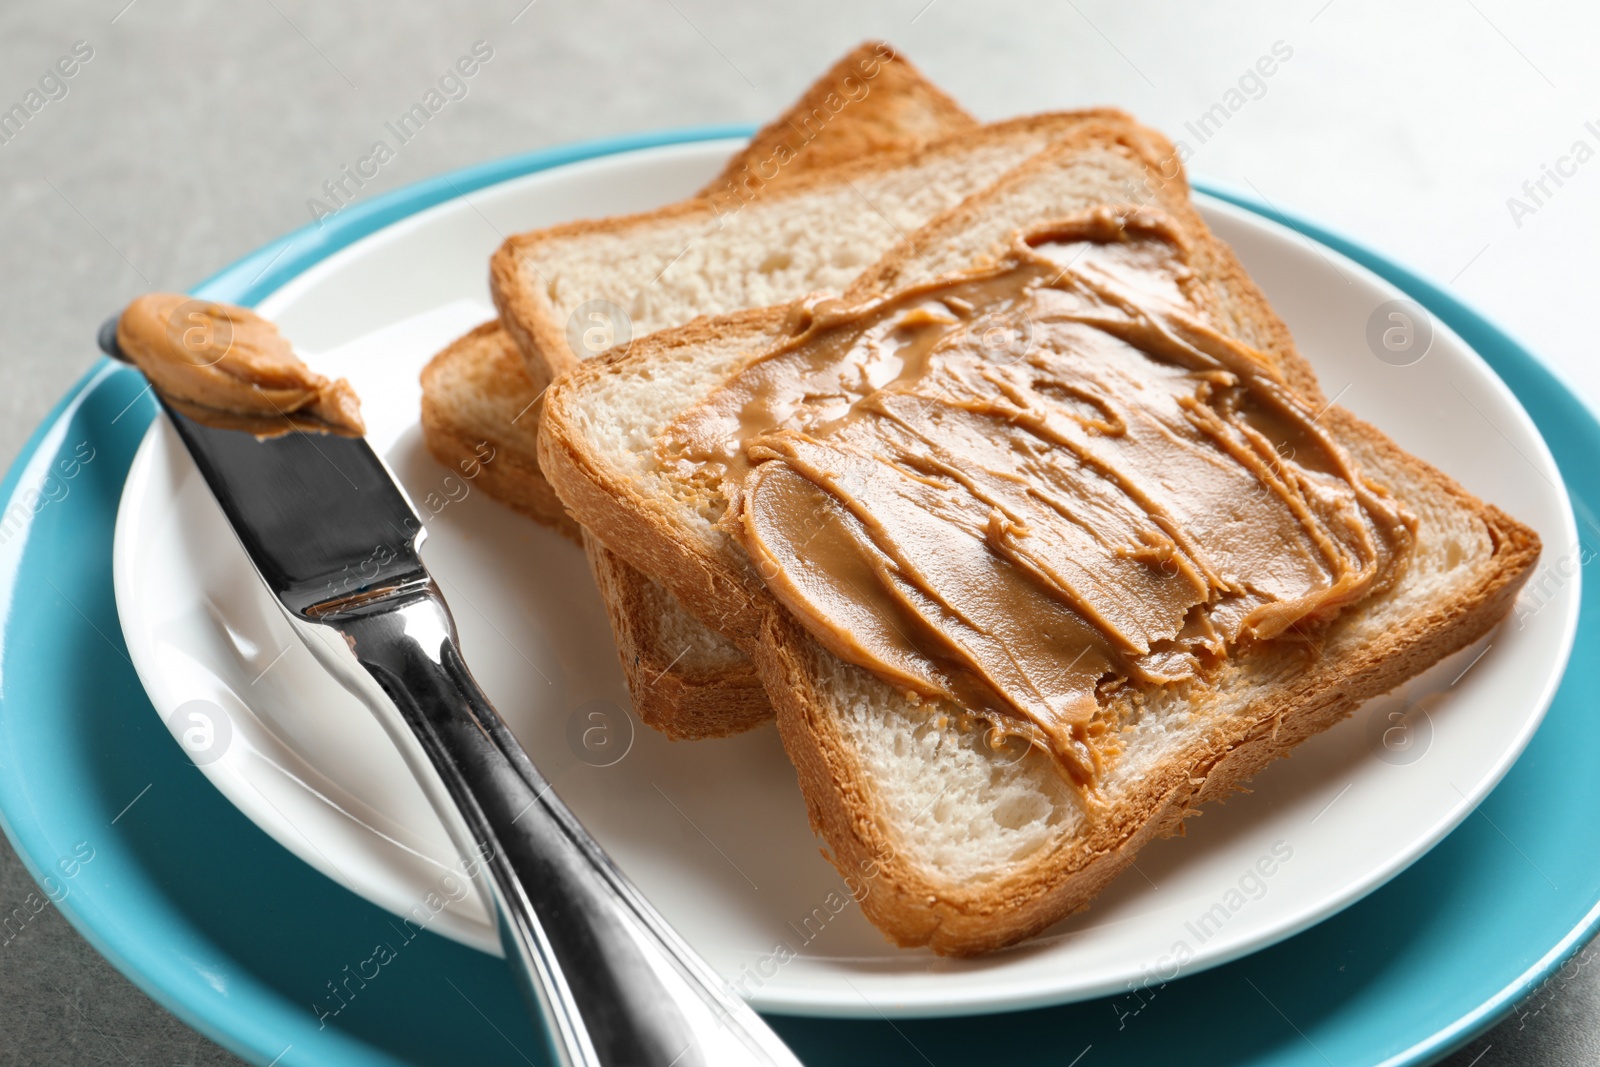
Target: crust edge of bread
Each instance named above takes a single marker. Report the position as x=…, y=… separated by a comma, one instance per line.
x=902, y=86
x=684, y=703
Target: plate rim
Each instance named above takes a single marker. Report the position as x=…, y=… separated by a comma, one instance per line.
x=269, y=273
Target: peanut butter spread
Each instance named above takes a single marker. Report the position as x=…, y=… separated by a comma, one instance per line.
x=1029, y=487
x=228, y=367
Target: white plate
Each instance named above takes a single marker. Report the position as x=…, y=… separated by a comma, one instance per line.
x=715, y=833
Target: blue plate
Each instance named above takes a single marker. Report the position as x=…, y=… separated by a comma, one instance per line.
x=255, y=949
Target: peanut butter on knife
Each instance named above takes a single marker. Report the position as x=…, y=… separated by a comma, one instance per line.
x=229, y=368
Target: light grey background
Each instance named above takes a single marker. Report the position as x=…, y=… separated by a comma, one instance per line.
x=199, y=131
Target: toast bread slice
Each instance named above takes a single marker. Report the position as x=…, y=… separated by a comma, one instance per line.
x=975, y=848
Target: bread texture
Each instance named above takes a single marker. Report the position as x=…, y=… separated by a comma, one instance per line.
x=812, y=231
x=974, y=847
x=477, y=399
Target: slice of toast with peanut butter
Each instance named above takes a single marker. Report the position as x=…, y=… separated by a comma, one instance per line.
x=1062, y=402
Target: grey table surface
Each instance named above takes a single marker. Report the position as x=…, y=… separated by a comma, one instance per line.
x=195, y=132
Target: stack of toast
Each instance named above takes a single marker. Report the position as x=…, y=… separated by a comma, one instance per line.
x=874, y=185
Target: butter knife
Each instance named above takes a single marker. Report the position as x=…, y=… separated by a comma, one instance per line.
x=614, y=984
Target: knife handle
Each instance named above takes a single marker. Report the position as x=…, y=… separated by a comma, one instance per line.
x=614, y=983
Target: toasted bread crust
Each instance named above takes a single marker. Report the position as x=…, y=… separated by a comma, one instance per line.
x=677, y=695
x=870, y=102
x=911, y=907
x=633, y=525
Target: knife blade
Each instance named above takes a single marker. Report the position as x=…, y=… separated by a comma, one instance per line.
x=319, y=515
